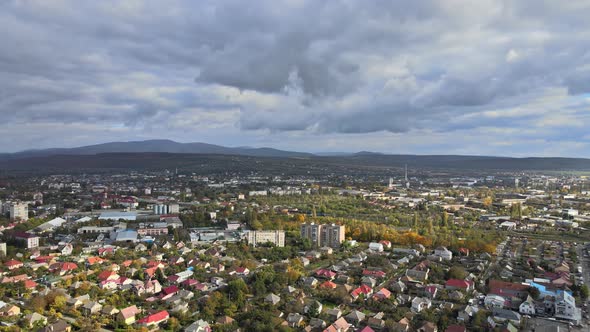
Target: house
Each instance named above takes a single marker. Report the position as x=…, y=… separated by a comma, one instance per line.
x=374, y=273
x=75, y=302
x=386, y=244
x=494, y=301
x=508, y=289
x=506, y=315
x=67, y=250
x=10, y=311
x=382, y=294
x=91, y=308
x=109, y=310
x=527, y=307
x=419, y=272
x=334, y=313
x=403, y=325
x=34, y=319
x=328, y=284
x=240, y=271
x=420, y=303
x=64, y=268
x=325, y=273
x=127, y=315
x=466, y=285
x=398, y=287
x=272, y=299
x=294, y=319
x=198, y=326
x=340, y=325
x=428, y=327
x=317, y=323
x=314, y=305
x=377, y=321
x=363, y=289
x=456, y=328
x=225, y=320
x=367, y=329
x=456, y=295
x=59, y=326
x=443, y=253
x=371, y=282
x=355, y=317
x=154, y=319
x=431, y=291
x=13, y=264
x=310, y=282
x=375, y=246
x=466, y=314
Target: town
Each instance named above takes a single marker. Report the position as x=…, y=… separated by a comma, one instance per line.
x=180, y=251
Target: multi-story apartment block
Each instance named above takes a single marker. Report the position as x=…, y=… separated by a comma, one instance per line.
x=328, y=235
x=260, y=237
x=565, y=307
x=30, y=240
x=19, y=211
x=311, y=231
x=332, y=235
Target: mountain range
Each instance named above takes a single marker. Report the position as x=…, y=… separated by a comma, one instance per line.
x=166, y=153
x=167, y=146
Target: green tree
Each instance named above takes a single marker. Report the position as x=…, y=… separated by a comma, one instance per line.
x=445, y=220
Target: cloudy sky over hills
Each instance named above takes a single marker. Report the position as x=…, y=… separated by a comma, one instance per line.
x=425, y=77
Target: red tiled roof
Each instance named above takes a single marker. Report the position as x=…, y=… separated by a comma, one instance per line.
x=30, y=284
x=456, y=328
x=325, y=273
x=378, y=273
x=501, y=287
x=328, y=284
x=363, y=289
x=383, y=293
x=170, y=290
x=68, y=266
x=13, y=262
x=458, y=283
x=154, y=318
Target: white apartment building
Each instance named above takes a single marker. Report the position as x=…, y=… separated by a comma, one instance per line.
x=260, y=237
x=19, y=211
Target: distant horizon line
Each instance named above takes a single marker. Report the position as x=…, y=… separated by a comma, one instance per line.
x=245, y=147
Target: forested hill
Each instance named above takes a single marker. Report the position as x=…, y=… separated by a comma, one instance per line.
x=318, y=164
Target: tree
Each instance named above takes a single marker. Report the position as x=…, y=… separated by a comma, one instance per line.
x=487, y=201
x=237, y=291
x=457, y=272
x=445, y=220
x=38, y=304
x=584, y=292
x=430, y=226
x=314, y=309
x=173, y=323
x=534, y=292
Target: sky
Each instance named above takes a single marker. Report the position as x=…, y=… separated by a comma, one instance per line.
x=479, y=77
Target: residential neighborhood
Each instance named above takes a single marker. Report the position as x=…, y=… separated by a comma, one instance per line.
x=172, y=252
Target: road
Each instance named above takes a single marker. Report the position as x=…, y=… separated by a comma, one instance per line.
x=584, y=262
